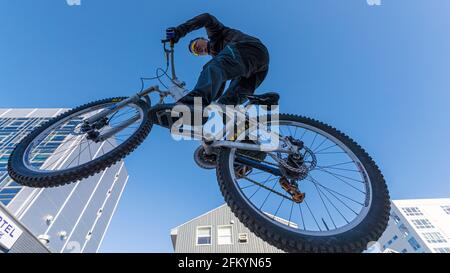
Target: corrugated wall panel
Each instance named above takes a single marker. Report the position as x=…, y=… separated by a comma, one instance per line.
x=186, y=239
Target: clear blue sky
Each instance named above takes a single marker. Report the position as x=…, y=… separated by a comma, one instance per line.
x=379, y=73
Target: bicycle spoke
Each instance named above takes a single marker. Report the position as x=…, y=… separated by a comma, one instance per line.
x=267, y=197
x=282, y=133
x=301, y=215
x=120, y=122
x=340, y=175
x=260, y=172
x=290, y=213
x=267, y=180
x=79, y=154
x=58, y=158
x=107, y=140
x=326, y=207
x=61, y=151
x=289, y=129
x=76, y=157
x=331, y=190
x=267, y=188
x=249, y=186
x=314, y=140
x=122, y=114
x=304, y=132
x=324, y=149
x=309, y=209
x=334, y=206
x=330, y=153
x=279, y=206
x=340, y=169
x=339, y=164
x=347, y=183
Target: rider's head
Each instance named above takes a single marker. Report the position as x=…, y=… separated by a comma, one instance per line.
x=199, y=46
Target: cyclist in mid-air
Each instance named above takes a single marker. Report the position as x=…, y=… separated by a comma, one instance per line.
x=238, y=57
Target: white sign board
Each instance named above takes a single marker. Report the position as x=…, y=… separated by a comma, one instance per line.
x=9, y=231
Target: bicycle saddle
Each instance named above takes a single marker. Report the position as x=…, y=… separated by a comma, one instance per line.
x=269, y=98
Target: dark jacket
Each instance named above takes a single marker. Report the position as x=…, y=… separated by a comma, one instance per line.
x=218, y=34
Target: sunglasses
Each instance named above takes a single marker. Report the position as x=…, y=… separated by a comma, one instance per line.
x=194, y=49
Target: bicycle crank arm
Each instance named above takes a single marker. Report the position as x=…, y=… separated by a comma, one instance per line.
x=111, y=132
x=258, y=165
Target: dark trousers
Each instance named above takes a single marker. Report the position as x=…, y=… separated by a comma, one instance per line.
x=245, y=64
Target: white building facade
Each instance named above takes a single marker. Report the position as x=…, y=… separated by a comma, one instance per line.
x=71, y=218
x=418, y=226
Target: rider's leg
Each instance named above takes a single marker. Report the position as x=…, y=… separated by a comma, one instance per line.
x=236, y=94
x=241, y=87
x=225, y=66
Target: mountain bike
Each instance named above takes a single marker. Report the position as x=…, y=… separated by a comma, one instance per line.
x=317, y=191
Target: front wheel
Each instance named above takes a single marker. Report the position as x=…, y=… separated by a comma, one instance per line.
x=344, y=203
x=61, y=151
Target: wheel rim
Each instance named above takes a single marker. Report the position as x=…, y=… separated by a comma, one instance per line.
x=62, y=146
x=320, y=195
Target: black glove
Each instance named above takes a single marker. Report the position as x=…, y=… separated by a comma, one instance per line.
x=172, y=34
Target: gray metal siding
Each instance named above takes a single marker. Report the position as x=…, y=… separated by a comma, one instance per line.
x=186, y=238
x=27, y=243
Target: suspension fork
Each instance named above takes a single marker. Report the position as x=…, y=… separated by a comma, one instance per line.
x=90, y=123
x=116, y=107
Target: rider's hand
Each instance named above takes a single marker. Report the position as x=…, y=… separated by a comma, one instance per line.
x=171, y=33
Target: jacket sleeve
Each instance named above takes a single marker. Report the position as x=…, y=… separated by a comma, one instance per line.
x=206, y=20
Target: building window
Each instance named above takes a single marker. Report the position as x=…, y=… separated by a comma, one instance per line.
x=442, y=250
x=224, y=235
x=243, y=238
x=390, y=241
x=434, y=237
x=446, y=209
x=404, y=250
x=422, y=223
x=412, y=211
x=395, y=217
x=404, y=230
x=203, y=235
x=414, y=244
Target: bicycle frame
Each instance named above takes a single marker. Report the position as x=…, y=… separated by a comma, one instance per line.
x=176, y=91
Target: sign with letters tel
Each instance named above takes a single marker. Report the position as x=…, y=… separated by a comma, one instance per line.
x=9, y=231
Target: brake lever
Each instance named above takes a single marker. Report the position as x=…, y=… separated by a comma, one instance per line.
x=165, y=41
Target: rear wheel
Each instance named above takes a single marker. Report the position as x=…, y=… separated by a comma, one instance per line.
x=60, y=152
x=344, y=203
